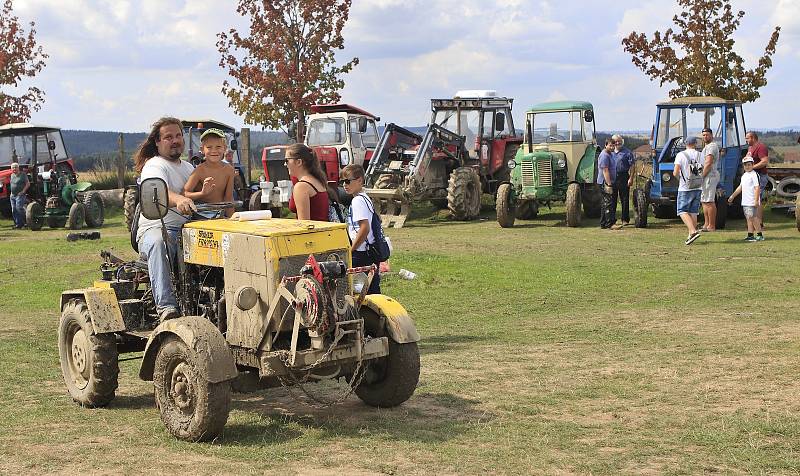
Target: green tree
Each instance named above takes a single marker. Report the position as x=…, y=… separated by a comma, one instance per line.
x=705, y=63
x=286, y=63
x=19, y=58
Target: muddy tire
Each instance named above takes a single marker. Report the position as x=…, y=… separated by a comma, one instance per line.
x=34, y=216
x=386, y=181
x=129, y=201
x=464, y=194
x=391, y=380
x=722, y=210
x=192, y=409
x=88, y=361
x=77, y=214
x=56, y=221
x=527, y=209
x=573, y=205
x=505, y=206
x=255, y=201
x=788, y=187
x=592, y=204
x=95, y=209
x=640, y=207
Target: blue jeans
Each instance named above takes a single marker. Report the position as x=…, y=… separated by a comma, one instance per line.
x=18, y=210
x=151, y=247
x=689, y=201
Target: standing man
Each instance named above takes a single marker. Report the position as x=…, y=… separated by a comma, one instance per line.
x=689, y=168
x=19, y=187
x=160, y=156
x=624, y=160
x=760, y=154
x=606, y=177
x=708, y=195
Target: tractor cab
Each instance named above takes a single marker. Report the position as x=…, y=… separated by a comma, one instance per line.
x=193, y=129
x=341, y=135
x=484, y=120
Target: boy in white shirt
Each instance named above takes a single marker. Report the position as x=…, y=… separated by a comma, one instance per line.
x=359, y=221
x=751, y=199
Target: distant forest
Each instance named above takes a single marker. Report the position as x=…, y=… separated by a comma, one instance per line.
x=95, y=150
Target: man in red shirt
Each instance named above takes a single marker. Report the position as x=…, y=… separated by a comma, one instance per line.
x=760, y=154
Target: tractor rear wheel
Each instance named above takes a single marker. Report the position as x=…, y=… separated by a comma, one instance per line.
x=54, y=221
x=722, y=210
x=527, y=209
x=95, y=209
x=129, y=201
x=77, y=213
x=5, y=209
x=591, y=199
x=505, y=206
x=191, y=408
x=255, y=201
x=573, y=205
x=464, y=194
x=391, y=380
x=797, y=211
x=34, y=215
x=640, y=208
x=88, y=361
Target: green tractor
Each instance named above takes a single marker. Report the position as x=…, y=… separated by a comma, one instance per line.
x=556, y=163
x=55, y=195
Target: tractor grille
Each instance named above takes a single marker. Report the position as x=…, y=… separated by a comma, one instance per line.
x=528, y=175
x=545, y=172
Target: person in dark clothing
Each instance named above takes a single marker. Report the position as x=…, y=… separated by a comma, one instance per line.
x=606, y=177
x=623, y=159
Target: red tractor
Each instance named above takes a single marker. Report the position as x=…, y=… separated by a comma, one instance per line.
x=340, y=134
x=464, y=153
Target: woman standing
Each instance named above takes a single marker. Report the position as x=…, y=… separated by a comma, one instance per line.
x=359, y=222
x=310, y=194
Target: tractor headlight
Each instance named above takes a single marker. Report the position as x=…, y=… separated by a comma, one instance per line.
x=666, y=177
x=246, y=297
x=511, y=164
x=561, y=163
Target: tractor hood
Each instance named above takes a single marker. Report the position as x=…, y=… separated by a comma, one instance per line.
x=266, y=228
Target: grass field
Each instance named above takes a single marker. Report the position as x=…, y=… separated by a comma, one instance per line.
x=545, y=350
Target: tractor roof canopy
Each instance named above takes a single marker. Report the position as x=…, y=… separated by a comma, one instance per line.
x=561, y=106
x=695, y=101
x=201, y=124
x=327, y=108
x=24, y=128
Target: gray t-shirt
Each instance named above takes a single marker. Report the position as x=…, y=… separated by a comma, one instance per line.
x=712, y=149
x=686, y=160
x=176, y=174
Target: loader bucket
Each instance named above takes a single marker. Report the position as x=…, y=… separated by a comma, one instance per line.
x=391, y=205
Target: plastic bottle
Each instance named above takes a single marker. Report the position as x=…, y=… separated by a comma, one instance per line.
x=406, y=274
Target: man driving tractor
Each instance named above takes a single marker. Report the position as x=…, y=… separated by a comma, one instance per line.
x=160, y=156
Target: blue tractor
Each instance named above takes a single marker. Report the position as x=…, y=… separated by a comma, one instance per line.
x=676, y=120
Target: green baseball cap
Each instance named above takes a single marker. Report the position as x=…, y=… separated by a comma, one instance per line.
x=213, y=131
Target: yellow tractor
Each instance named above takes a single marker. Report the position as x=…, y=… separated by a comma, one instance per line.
x=269, y=302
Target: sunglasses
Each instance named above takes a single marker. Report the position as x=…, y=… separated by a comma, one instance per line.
x=347, y=181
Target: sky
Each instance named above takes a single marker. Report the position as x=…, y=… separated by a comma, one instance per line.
x=118, y=65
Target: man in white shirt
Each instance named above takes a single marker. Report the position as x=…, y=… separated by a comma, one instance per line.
x=160, y=156
x=708, y=194
x=689, y=169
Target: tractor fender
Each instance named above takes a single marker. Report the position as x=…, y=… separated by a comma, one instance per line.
x=215, y=362
x=103, y=307
x=399, y=325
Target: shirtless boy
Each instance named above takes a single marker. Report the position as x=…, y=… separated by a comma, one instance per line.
x=212, y=181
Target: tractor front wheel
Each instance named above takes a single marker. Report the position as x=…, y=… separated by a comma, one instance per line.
x=573, y=205
x=94, y=209
x=34, y=215
x=464, y=194
x=192, y=409
x=391, y=380
x=88, y=361
x=129, y=201
x=255, y=201
x=77, y=213
x=505, y=206
x=640, y=208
